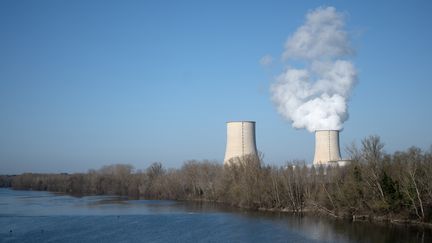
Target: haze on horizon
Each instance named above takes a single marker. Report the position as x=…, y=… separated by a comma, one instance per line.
x=86, y=84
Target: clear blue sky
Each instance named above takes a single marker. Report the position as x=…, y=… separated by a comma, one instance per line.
x=89, y=83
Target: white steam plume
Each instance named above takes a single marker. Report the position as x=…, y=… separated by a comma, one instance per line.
x=315, y=96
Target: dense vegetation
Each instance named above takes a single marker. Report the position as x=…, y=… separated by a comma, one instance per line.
x=373, y=185
x=6, y=180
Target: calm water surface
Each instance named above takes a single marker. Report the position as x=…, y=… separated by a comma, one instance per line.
x=30, y=216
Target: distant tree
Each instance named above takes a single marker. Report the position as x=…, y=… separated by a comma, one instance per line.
x=374, y=183
x=372, y=154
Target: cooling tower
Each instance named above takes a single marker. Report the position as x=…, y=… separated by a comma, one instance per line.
x=326, y=147
x=240, y=140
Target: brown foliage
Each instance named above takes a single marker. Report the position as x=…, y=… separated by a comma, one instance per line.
x=374, y=183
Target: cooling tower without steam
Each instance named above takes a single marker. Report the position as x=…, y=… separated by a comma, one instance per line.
x=326, y=147
x=240, y=140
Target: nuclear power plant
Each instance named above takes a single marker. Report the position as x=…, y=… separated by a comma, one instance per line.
x=327, y=151
x=240, y=140
x=326, y=147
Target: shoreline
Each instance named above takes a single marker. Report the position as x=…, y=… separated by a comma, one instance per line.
x=355, y=218
x=315, y=212
x=381, y=220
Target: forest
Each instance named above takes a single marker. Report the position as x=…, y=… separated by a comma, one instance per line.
x=373, y=186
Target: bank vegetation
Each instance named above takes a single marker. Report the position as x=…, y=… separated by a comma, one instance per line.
x=375, y=185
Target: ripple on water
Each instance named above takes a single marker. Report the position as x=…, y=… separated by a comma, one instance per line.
x=28, y=216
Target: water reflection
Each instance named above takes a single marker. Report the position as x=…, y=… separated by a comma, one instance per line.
x=323, y=228
x=42, y=216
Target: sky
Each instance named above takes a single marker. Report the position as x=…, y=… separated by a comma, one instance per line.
x=90, y=83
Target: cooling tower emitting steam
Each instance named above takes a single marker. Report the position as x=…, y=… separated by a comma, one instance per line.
x=315, y=96
x=240, y=140
x=326, y=147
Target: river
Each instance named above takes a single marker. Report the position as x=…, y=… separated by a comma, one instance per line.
x=34, y=216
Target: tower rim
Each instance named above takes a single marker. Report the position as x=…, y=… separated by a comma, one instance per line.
x=240, y=121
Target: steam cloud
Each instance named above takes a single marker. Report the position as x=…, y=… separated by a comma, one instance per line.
x=315, y=96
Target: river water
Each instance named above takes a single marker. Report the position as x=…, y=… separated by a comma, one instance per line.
x=33, y=216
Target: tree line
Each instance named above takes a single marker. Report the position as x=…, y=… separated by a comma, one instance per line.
x=375, y=184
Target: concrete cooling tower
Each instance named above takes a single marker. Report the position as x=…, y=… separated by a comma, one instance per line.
x=326, y=147
x=240, y=140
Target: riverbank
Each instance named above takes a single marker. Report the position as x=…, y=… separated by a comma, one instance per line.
x=308, y=210
x=394, y=188
x=317, y=212
x=29, y=216
x=353, y=218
